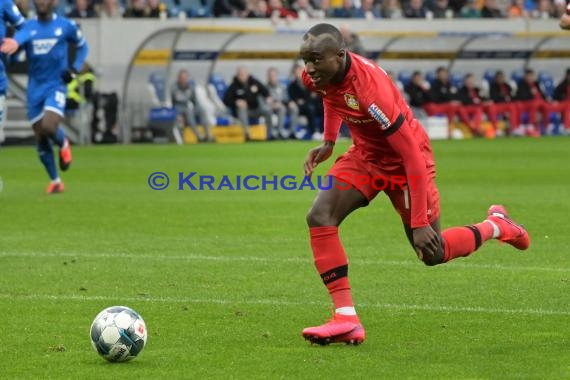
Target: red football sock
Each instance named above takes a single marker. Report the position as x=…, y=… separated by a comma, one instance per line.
x=462, y=241
x=331, y=263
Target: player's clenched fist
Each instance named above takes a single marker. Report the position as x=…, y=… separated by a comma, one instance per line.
x=9, y=46
x=317, y=155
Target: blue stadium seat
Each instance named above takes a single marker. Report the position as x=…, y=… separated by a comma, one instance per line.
x=517, y=75
x=456, y=79
x=157, y=81
x=196, y=8
x=405, y=76
x=218, y=81
x=489, y=75
x=546, y=82
x=430, y=77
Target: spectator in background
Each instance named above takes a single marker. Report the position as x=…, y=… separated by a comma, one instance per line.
x=471, y=110
x=562, y=90
x=156, y=9
x=309, y=104
x=82, y=9
x=518, y=9
x=347, y=10
x=440, y=9
x=247, y=97
x=325, y=9
x=137, y=9
x=470, y=10
x=367, y=10
x=443, y=96
x=278, y=102
x=277, y=11
x=391, y=9
x=351, y=40
x=229, y=8
x=258, y=9
x=490, y=10
x=417, y=91
x=533, y=100
x=110, y=9
x=415, y=9
x=501, y=94
x=183, y=95
x=544, y=9
x=304, y=9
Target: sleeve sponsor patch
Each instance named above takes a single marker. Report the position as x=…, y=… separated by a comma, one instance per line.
x=379, y=116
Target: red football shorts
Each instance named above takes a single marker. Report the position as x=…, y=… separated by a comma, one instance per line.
x=370, y=179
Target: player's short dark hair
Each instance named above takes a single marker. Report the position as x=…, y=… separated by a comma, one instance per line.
x=329, y=29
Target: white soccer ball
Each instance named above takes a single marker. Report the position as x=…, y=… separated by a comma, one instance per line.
x=118, y=333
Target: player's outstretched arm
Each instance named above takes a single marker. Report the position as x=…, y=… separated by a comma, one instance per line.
x=317, y=155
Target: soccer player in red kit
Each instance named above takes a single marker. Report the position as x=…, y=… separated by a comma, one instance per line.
x=388, y=143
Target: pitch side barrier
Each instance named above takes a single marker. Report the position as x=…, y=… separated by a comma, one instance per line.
x=213, y=53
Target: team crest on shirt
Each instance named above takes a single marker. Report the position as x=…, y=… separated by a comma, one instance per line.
x=351, y=101
x=58, y=32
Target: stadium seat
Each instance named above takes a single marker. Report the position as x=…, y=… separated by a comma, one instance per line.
x=196, y=8
x=546, y=82
x=517, y=75
x=158, y=88
x=219, y=83
x=405, y=76
x=430, y=77
x=456, y=79
x=489, y=75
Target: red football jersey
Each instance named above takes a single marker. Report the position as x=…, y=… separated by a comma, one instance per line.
x=381, y=124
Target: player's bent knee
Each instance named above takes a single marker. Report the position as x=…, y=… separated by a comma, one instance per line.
x=317, y=217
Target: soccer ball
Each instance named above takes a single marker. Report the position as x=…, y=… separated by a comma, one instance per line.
x=118, y=333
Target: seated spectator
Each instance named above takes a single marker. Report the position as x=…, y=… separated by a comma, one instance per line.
x=471, y=111
x=418, y=94
x=259, y=10
x=367, y=10
x=532, y=99
x=183, y=94
x=518, y=9
x=280, y=105
x=351, y=40
x=247, y=97
x=490, y=10
x=501, y=96
x=470, y=10
x=562, y=90
x=110, y=9
x=277, y=11
x=229, y=8
x=137, y=9
x=443, y=96
x=415, y=9
x=309, y=104
x=347, y=10
x=441, y=9
x=304, y=9
x=82, y=9
x=391, y=9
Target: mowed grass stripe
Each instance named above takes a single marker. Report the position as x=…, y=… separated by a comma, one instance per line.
x=272, y=302
x=273, y=260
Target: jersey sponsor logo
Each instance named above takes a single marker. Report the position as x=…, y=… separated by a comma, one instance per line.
x=351, y=101
x=43, y=46
x=379, y=116
x=357, y=121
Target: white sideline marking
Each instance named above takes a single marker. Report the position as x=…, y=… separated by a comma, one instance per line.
x=408, y=263
x=219, y=301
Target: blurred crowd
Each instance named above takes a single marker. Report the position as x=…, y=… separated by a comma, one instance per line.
x=307, y=9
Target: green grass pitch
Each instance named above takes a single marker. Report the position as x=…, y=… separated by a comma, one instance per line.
x=225, y=280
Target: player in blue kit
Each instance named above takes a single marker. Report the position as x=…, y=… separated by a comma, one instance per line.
x=46, y=38
x=8, y=13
